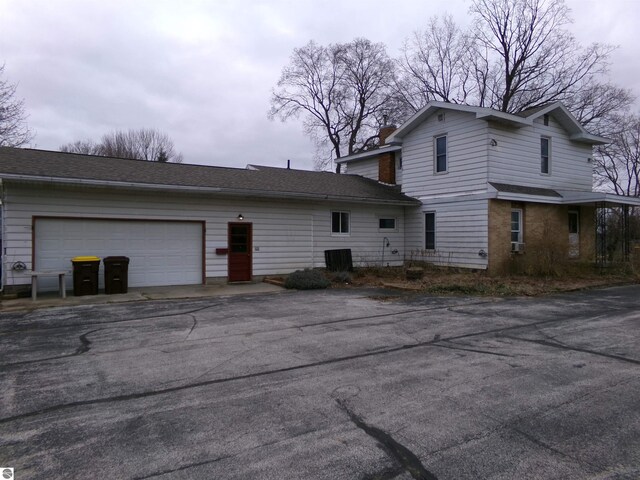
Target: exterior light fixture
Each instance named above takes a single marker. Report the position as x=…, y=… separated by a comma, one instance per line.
x=494, y=142
x=240, y=217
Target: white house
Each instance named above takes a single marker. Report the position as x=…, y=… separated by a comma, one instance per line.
x=491, y=185
x=187, y=224
x=455, y=185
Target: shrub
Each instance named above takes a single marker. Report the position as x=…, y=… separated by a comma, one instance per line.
x=341, y=277
x=306, y=280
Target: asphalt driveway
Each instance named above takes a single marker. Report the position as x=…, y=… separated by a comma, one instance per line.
x=336, y=384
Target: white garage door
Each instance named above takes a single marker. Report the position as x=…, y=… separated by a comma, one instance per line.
x=160, y=253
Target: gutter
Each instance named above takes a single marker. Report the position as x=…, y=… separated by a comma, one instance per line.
x=212, y=190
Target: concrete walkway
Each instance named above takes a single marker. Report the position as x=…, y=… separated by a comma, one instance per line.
x=51, y=299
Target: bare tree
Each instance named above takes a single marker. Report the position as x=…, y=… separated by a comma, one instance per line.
x=14, y=131
x=84, y=147
x=617, y=164
x=142, y=144
x=342, y=90
x=517, y=55
x=435, y=64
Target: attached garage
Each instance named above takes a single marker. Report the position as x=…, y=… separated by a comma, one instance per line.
x=160, y=252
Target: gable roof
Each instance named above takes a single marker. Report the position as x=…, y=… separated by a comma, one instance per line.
x=525, y=118
x=70, y=168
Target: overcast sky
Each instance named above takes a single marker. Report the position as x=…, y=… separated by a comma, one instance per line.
x=202, y=71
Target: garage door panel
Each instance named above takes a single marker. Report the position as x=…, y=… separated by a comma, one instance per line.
x=161, y=253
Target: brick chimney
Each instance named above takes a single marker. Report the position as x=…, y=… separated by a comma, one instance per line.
x=386, y=161
x=384, y=132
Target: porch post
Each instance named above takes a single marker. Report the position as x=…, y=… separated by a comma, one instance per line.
x=626, y=233
x=601, y=234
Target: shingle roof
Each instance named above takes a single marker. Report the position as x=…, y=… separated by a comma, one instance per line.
x=531, y=111
x=507, y=188
x=262, y=181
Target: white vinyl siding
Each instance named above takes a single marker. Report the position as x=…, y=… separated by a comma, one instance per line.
x=466, y=156
x=461, y=232
x=516, y=158
x=367, y=168
x=365, y=240
x=287, y=235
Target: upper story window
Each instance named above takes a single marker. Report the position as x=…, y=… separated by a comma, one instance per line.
x=441, y=154
x=340, y=223
x=545, y=155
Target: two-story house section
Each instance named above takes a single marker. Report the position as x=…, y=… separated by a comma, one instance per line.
x=491, y=184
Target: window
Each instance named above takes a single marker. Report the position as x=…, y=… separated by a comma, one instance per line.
x=516, y=231
x=574, y=222
x=387, y=223
x=430, y=231
x=544, y=155
x=340, y=222
x=441, y=154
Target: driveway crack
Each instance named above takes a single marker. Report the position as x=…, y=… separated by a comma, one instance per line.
x=398, y=452
x=85, y=343
x=562, y=346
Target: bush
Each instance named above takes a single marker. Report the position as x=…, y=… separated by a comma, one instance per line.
x=306, y=280
x=341, y=277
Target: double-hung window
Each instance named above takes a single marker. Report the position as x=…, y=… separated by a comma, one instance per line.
x=545, y=155
x=440, y=154
x=340, y=223
x=430, y=231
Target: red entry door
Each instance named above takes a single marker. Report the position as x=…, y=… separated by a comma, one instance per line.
x=239, y=252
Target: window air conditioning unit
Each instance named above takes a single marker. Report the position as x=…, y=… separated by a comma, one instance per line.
x=517, y=247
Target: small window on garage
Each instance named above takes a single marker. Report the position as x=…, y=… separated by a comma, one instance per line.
x=387, y=223
x=340, y=223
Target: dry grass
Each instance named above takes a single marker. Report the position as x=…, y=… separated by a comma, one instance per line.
x=449, y=281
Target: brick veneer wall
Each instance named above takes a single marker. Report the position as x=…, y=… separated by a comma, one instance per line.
x=546, y=234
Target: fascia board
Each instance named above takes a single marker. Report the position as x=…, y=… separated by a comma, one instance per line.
x=369, y=153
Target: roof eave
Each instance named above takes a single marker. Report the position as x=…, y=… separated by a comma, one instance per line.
x=504, y=118
x=584, y=137
x=369, y=153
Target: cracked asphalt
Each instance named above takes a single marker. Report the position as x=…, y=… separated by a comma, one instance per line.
x=334, y=384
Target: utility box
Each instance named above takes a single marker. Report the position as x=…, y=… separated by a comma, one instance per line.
x=338, y=260
x=116, y=275
x=85, y=275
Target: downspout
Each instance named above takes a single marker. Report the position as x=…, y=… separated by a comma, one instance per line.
x=2, y=236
